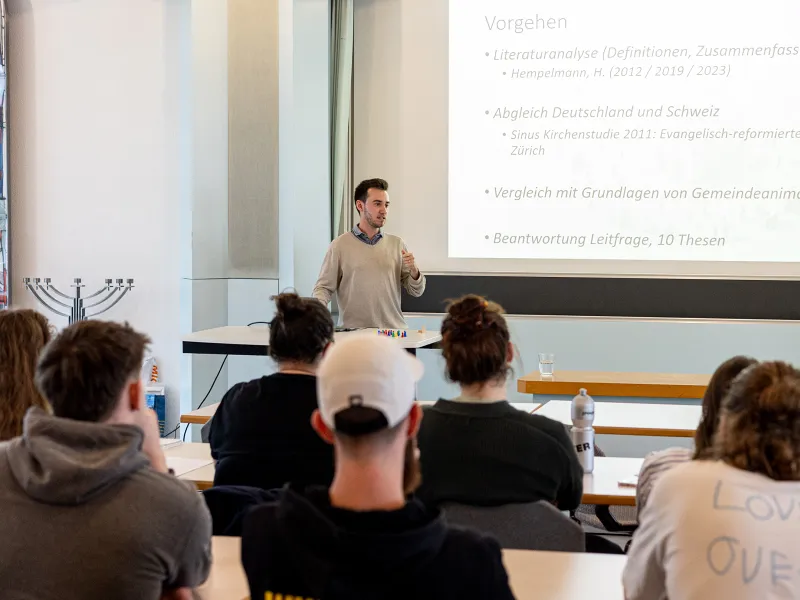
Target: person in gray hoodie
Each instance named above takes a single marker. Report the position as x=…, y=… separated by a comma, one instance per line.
x=89, y=509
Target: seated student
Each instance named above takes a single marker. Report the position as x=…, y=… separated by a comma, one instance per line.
x=728, y=527
x=657, y=463
x=479, y=450
x=23, y=334
x=362, y=538
x=88, y=507
x=261, y=434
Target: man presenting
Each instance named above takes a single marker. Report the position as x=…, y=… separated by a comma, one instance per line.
x=366, y=267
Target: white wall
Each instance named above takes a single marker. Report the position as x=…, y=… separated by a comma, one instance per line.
x=220, y=294
x=95, y=108
x=120, y=149
x=310, y=200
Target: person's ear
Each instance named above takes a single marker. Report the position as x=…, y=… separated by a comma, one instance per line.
x=326, y=348
x=359, y=206
x=318, y=425
x=136, y=399
x=414, y=420
x=510, y=353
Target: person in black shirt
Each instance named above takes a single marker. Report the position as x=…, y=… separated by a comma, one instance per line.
x=261, y=434
x=479, y=450
x=362, y=538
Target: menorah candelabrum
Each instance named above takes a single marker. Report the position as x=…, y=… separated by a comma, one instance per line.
x=103, y=299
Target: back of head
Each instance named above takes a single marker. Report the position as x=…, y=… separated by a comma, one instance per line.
x=84, y=370
x=715, y=393
x=365, y=391
x=23, y=335
x=759, y=427
x=300, y=329
x=475, y=341
x=363, y=434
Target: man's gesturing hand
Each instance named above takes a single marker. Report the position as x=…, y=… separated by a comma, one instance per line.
x=410, y=264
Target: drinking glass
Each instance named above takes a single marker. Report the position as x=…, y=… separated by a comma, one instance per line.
x=547, y=363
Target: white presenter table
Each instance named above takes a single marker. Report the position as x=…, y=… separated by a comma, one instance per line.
x=254, y=341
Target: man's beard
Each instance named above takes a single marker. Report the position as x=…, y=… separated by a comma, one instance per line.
x=372, y=223
x=412, y=474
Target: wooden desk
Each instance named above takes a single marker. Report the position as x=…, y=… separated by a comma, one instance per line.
x=627, y=418
x=254, y=341
x=201, y=416
x=551, y=575
x=227, y=580
x=564, y=575
x=201, y=473
x=599, y=383
x=601, y=486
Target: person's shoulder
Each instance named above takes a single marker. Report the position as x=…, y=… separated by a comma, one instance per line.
x=435, y=408
x=259, y=525
x=683, y=481
x=173, y=516
x=171, y=498
x=264, y=513
x=5, y=469
x=344, y=238
x=246, y=390
x=394, y=240
x=539, y=422
x=236, y=390
x=474, y=551
x=666, y=458
x=542, y=432
x=468, y=539
x=690, y=471
x=175, y=505
x=165, y=484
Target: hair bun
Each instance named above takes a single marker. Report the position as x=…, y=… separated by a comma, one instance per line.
x=469, y=314
x=290, y=306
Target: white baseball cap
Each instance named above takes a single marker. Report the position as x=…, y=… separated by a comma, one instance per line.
x=369, y=370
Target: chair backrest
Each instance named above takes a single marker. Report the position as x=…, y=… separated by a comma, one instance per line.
x=530, y=526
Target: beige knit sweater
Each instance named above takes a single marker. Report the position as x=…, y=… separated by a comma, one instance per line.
x=367, y=281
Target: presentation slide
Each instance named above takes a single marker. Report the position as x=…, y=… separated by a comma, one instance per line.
x=624, y=130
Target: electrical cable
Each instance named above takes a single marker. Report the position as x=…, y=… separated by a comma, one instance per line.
x=208, y=393
x=224, y=360
x=170, y=432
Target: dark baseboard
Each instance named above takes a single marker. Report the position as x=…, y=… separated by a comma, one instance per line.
x=743, y=299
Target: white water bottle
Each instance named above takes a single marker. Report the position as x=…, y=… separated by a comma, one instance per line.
x=582, y=431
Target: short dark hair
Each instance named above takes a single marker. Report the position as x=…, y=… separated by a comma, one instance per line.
x=718, y=388
x=300, y=329
x=759, y=429
x=475, y=340
x=84, y=370
x=363, y=188
x=368, y=431
x=358, y=421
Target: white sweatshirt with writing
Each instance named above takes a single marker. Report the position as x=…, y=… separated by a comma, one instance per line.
x=711, y=531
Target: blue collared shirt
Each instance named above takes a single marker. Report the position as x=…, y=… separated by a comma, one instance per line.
x=364, y=238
